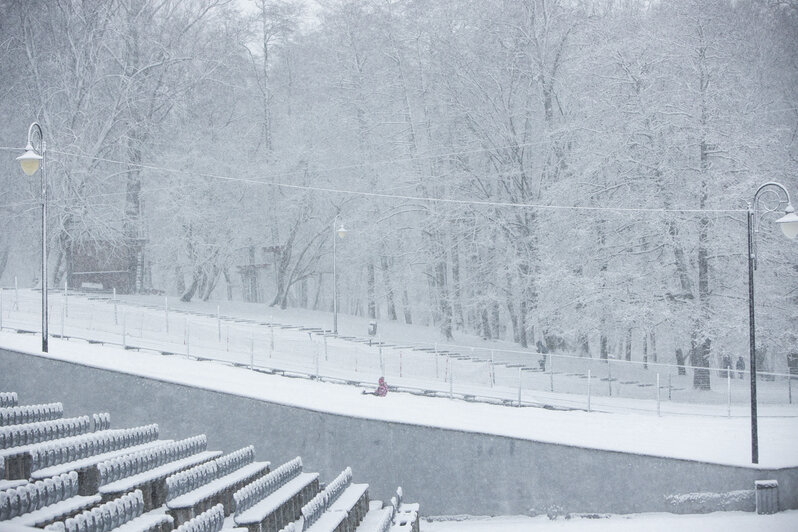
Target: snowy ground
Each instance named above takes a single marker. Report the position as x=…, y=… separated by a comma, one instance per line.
x=714, y=439
x=654, y=522
x=485, y=370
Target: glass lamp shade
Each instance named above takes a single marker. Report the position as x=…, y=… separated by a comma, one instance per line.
x=29, y=161
x=341, y=232
x=789, y=225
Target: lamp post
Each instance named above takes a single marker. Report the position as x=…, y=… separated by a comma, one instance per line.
x=29, y=161
x=340, y=233
x=789, y=226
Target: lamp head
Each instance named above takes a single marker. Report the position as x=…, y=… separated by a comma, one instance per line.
x=29, y=161
x=789, y=223
x=341, y=231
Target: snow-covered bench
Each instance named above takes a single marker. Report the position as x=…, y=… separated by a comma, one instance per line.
x=275, y=500
x=405, y=514
x=200, y=488
x=148, y=470
x=16, y=415
x=211, y=520
x=124, y=514
x=340, y=507
x=23, y=461
x=377, y=519
x=29, y=433
x=83, y=453
x=43, y=502
x=101, y=421
x=8, y=399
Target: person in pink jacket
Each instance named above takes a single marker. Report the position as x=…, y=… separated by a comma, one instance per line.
x=382, y=389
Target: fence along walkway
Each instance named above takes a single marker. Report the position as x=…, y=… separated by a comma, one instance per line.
x=119, y=480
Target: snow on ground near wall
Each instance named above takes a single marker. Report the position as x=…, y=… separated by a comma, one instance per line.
x=652, y=522
x=710, y=439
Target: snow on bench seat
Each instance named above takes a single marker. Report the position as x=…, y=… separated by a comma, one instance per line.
x=8, y=484
x=377, y=520
x=281, y=506
x=149, y=522
x=56, y=512
x=218, y=491
x=329, y=521
x=153, y=482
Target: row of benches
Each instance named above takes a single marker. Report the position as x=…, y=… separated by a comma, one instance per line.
x=49, y=454
x=132, y=464
x=8, y=399
x=34, y=496
x=15, y=415
x=276, y=499
x=30, y=433
x=125, y=512
x=198, y=489
x=339, y=508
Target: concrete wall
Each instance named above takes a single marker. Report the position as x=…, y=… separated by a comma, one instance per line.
x=448, y=472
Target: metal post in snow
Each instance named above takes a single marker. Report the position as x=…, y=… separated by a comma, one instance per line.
x=451, y=380
x=116, y=310
x=789, y=387
x=124, y=330
x=66, y=298
x=271, y=327
x=188, y=340
x=16, y=294
x=658, y=406
x=609, y=376
x=218, y=324
x=382, y=360
x=492, y=370
x=551, y=373
x=435, y=354
x=669, y=387
x=588, y=390
x=728, y=393
x=520, y=375
x=326, y=354
x=227, y=337
x=166, y=312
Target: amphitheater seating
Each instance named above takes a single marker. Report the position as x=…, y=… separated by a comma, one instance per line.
x=16, y=415
x=8, y=399
x=340, y=507
x=275, y=500
x=43, y=502
x=126, y=480
x=147, y=470
x=208, y=521
x=200, y=488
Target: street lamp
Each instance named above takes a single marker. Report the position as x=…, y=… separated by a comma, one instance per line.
x=29, y=161
x=789, y=226
x=340, y=232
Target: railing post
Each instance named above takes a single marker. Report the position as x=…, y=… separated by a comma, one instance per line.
x=116, y=313
x=551, y=372
x=188, y=340
x=450, y=371
x=658, y=403
x=609, y=376
x=588, y=390
x=492, y=369
x=670, y=388
x=400, y=364
x=435, y=354
x=326, y=355
x=66, y=298
x=124, y=330
x=218, y=324
x=728, y=393
x=520, y=383
x=271, y=331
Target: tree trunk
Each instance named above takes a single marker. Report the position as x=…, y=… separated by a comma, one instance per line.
x=386, y=278
x=371, y=287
